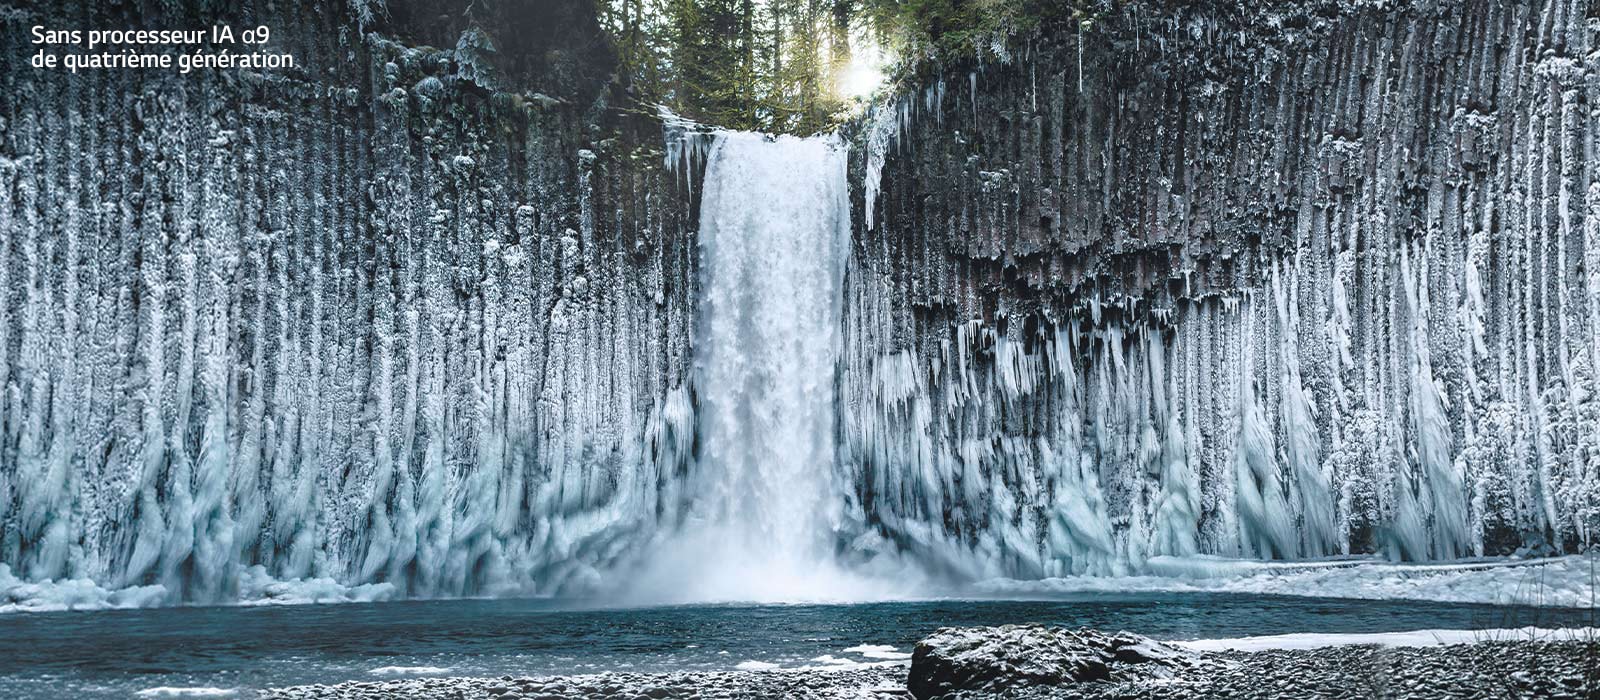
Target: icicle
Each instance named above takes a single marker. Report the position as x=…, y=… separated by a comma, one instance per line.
x=882, y=131
x=972, y=80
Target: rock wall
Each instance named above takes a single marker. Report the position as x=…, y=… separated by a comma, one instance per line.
x=1264, y=280
x=402, y=316
x=1256, y=279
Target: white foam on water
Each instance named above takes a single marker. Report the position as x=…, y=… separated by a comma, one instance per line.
x=756, y=666
x=187, y=692
x=831, y=660
x=257, y=588
x=877, y=651
x=48, y=595
x=408, y=671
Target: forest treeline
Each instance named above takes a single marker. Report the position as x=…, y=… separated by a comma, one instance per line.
x=779, y=65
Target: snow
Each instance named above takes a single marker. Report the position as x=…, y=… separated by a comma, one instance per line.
x=1559, y=582
x=877, y=655
x=878, y=651
x=1416, y=638
x=826, y=662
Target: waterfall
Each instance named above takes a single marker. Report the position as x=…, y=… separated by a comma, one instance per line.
x=774, y=223
x=774, y=233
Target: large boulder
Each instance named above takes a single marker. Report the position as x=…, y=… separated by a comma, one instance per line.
x=995, y=658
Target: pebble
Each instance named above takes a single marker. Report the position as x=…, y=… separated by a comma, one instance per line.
x=1492, y=669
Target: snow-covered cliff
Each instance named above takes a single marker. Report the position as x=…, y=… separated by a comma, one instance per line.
x=1261, y=279
x=379, y=318
x=1209, y=278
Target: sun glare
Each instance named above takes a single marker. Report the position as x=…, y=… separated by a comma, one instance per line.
x=866, y=70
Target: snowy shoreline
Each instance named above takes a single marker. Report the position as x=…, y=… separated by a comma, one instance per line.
x=1527, y=666
x=1559, y=582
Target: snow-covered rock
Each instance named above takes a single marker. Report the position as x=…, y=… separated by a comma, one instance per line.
x=1014, y=656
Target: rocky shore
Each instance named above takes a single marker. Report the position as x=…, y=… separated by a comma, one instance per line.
x=888, y=681
x=1037, y=662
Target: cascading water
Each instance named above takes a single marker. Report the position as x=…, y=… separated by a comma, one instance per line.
x=774, y=223
x=774, y=233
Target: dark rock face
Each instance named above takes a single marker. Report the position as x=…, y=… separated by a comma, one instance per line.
x=400, y=313
x=1015, y=656
x=1262, y=279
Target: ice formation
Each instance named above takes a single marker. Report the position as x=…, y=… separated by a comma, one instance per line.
x=305, y=345
x=1215, y=304
x=381, y=330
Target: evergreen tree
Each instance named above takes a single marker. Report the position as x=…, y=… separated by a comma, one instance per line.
x=772, y=65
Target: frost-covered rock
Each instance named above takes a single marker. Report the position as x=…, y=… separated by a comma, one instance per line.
x=1014, y=656
x=1188, y=283
x=322, y=356
x=1562, y=669
x=1212, y=309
